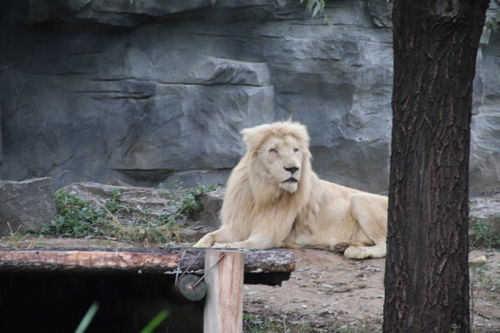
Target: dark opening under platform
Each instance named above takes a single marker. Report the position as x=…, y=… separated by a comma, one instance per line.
x=50, y=289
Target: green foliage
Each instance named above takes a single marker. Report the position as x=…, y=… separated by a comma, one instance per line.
x=149, y=328
x=78, y=219
x=314, y=6
x=156, y=321
x=113, y=204
x=75, y=218
x=483, y=233
x=492, y=22
x=350, y=329
x=189, y=199
x=480, y=280
x=454, y=328
x=82, y=327
x=254, y=324
x=479, y=272
x=345, y=329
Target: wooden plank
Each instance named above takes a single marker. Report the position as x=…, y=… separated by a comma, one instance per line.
x=224, y=304
x=144, y=260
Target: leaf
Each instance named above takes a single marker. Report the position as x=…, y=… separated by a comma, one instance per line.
x=310, y=4
x=317, y=8
x=87, y=318
x=157, y=320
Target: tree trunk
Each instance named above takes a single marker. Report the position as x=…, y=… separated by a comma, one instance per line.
x=426, y=279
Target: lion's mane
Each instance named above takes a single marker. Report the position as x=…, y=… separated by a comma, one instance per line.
x=250, y=195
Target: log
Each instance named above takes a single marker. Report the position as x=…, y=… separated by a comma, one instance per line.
x=224, y=304
x=136, y=260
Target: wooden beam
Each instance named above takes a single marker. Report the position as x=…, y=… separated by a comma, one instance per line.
x=224, y=304
x=143, y=260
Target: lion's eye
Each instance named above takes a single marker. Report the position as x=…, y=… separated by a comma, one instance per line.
x=296, y=150
x=272, y=150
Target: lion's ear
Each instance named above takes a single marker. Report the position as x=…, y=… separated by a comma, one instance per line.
x=254, y=136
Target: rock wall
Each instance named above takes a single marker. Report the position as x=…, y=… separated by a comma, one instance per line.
x=157, y=91
x=25, y=206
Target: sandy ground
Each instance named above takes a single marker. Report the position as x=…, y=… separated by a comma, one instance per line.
x=328, y=293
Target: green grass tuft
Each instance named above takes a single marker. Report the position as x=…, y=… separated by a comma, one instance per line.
x=483, y=233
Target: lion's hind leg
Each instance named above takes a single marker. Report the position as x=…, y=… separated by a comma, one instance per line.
x=370, y=213
x=366, y=252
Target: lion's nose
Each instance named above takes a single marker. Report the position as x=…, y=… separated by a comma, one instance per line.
x=292, y=169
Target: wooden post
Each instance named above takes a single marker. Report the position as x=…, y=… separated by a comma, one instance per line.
x=224, y=303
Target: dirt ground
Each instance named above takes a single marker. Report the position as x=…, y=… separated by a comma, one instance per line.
x=328, y=293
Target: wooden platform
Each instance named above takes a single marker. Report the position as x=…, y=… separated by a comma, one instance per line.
x=261, y=266
x=131, y=285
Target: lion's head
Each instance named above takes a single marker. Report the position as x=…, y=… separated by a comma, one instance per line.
x=279, y=154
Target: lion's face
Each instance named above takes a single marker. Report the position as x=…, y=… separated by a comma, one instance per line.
x=282, y=158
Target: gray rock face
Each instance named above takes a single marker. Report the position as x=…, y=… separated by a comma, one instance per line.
x=485, y=139
x=487, y=208
x=380, y=12
x=158, y=91
x=25, y=205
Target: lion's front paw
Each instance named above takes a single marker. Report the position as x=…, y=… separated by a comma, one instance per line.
x=220, y=245
x=205, y=241
x=226, y=245
x=201, y=244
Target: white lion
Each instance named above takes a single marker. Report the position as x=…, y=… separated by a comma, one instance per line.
x=274, y=199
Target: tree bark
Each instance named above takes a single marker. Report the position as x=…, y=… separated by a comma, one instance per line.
x=426, y=279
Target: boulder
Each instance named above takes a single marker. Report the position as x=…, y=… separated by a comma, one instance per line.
x=130, y=199
x=195, y=178
x=486, y=208
x=25, y=205
x=212, y=204
x=131, y=205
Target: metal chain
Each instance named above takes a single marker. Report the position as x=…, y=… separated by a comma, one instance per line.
x=178, y=269
x=208, y=271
